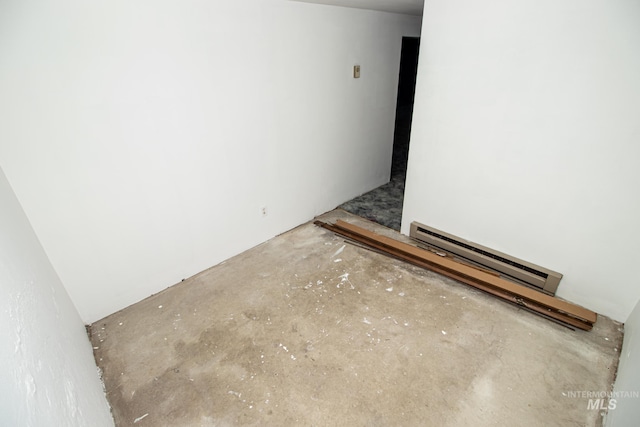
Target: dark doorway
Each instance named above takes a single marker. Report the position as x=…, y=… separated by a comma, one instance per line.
x=404, y=106
x=384, y=204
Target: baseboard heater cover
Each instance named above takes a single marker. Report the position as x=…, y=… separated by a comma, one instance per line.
x=539, y=277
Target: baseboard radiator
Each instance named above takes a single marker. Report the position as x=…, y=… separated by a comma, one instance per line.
x=530, y=274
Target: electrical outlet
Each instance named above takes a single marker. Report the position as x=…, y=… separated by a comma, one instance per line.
x=263, y=211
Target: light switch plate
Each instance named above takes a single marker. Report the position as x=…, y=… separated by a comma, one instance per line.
x=356, y=71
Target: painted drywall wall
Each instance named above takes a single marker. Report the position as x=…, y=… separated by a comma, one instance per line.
x=626, y=390
x=409, y=7
x=525, y=137
x=143, y=138
x=47, y=373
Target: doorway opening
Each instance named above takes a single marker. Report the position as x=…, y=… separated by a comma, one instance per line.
x=404, y=106
x=384, y=204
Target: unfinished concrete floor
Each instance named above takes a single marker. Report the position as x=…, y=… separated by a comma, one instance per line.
x=308, y=330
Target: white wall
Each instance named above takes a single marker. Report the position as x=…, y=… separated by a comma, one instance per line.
x=627, y=410
x=143, y=137
x=47, y=373
x=525, y=137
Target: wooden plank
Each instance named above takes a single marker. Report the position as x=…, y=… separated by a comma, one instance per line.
x=532, y=306
x=473, y=274
x=446, y=254
x=522, y=302
x=511, y=298
x=354, y=233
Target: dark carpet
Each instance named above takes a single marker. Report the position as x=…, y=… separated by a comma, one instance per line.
x=382, y=205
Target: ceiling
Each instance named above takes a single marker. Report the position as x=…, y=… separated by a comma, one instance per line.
x=407, y=7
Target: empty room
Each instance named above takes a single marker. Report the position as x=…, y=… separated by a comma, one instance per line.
x=176, y=247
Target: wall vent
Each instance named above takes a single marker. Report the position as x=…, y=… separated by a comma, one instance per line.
x=539, y=277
